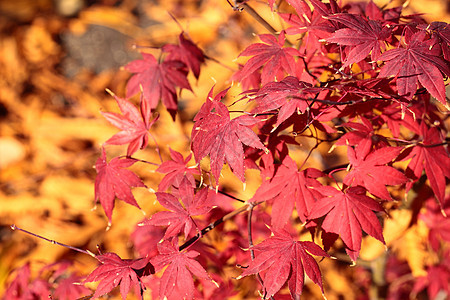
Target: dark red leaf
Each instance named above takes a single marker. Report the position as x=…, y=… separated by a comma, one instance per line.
x=435, y=160
x=157, y=80
x=187, y=52
x=289, y=95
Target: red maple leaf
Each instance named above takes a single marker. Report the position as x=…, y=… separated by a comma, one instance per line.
x=176, y=169
x=347, y=213
x=186, y=52
x=113, y=180
x=437, y=280
x=435, y=160
x=177, y=282
x=23, y=287
x=363, y=137
x=362, y=37
x=286, y=260
x=441, y=32
x=134, y=126
x=69, y=288
x=272, y=55
x=157, y=81
x=115, y=271
x=288, y=187
x=419, y=61
x=216, y=135
x=289, y=95
x=371, y=171
x=437, y=220
x=180, y=216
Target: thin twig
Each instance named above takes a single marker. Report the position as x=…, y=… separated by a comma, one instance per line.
x=250, y=243
x=211, y=226
x=14, y=227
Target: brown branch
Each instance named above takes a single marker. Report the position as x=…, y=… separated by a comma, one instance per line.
x=212, y=226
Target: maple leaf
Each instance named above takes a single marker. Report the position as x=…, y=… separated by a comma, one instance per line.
x=247, y=81
x=216, y=135
x=347, y=213
x=288, y=187
x=176, y=281
x=437, y=220
x=441, y=32
x=370, y=171
x=69, y=288
x=187, y=52
x=272, y=55
x=418, y=61
x=157, y=81
x=363, y=137
x=176, y=169
x=113, y=180
x=437, y=281
x=134, y=126
x=180, y=217
x=286, y=260
x=115, y=271
x=435, y=160
x=289, y=95
x=362, y=36
x=146, y=237
x=22, y=287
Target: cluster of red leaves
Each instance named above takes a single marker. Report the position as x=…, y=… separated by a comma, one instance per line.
x=385, y=67
x=55, y=279
x=405, y=61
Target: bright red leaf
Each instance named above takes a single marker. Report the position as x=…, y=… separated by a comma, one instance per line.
x=371, y=171
x=418, y=61
x=181, y=217
x=272, y=55
x=363, y=137
x=115, y=271
x=177, y=282
x=347, y=213
x=176, y=169
x=362, y=37
x=285, y=259
x=113, y=180
x=288, y=187
x=134, y=126
x=216, y=135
